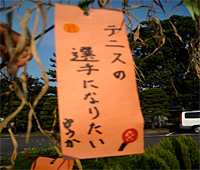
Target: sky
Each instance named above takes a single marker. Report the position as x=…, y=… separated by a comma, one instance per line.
x=46, y=47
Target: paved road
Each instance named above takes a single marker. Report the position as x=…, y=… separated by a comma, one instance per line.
x=35, y=140
x=40, y=140
x=152, y=139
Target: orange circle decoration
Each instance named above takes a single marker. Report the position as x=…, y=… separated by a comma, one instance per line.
x=71, y=28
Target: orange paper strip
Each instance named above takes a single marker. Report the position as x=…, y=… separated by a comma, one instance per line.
x=99, y=108
x=44, y=163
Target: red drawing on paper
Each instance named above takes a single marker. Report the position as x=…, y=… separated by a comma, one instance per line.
x=128, y=136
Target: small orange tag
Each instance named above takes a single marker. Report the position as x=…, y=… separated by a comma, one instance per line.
x=99, y=108
x=42, y=163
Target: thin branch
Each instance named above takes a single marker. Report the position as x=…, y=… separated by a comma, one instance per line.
x=47, y=30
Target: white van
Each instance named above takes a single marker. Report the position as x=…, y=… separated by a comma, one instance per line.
x=190, y=120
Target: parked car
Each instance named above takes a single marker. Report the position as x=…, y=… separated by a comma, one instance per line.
x=190, y=120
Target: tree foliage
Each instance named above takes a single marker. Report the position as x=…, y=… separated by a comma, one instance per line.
x=11, y=102
x=154, y=102
x=47, y=114
x=52, y=72
x=52, y=76
x=168, y=67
